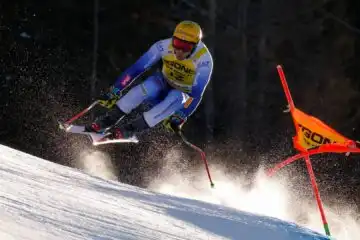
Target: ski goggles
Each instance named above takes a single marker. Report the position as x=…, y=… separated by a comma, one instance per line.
x=182, y=45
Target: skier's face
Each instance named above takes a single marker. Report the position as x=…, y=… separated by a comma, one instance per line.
x=182, y=49
x=180, y=54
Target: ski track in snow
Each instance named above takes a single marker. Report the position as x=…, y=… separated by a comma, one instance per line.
x=43, y=200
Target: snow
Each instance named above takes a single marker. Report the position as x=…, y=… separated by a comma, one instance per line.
x=43, y=200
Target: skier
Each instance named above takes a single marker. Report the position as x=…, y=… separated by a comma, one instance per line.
x=175, y=92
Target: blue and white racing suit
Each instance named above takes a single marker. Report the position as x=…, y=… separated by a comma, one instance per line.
x=176, y=90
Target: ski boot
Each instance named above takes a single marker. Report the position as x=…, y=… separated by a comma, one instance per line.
x=118, y=133
x=128, y=130
x=105, y=121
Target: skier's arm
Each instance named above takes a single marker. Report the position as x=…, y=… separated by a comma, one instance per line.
x=147, y=60
x=201, y=81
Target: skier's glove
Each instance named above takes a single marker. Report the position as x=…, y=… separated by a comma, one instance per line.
x=173, y=123
x=109, y=98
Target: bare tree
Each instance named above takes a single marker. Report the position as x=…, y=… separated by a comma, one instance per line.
x=242, y=74
x=209, y=103
x=95, y=49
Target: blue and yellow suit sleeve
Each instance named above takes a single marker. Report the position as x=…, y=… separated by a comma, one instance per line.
x=202, y=78
x=148, y=59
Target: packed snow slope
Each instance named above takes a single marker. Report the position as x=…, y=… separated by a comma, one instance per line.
x=43, y=200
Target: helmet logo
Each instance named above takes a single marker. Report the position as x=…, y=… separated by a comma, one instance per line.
x=185, y=33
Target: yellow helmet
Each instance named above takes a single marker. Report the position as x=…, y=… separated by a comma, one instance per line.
x=188, y=31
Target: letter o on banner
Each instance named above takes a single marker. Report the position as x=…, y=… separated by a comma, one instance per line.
x=317, y=138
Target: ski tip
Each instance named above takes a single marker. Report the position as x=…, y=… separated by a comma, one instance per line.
x=63, y=126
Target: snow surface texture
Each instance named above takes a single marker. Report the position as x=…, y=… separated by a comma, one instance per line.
x=43, y=200
x=287, y=196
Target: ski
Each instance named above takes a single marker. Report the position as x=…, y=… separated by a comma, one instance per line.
x=96, y=138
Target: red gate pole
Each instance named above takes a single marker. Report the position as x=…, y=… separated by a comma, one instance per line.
x=317, y=194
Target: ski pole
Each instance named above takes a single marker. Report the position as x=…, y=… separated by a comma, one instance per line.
x=201, y=152
x=80, y=114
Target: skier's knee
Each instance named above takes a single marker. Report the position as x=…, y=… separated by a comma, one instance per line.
x=151, y=87
x=130, y=100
